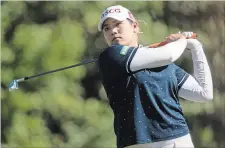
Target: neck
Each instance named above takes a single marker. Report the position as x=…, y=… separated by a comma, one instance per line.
x=134, y=44
x=131, y=44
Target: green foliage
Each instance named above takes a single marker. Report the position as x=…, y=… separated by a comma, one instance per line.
x=60, y=110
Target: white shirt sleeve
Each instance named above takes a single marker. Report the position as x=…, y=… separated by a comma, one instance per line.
x=200, y=87
x=146, y=57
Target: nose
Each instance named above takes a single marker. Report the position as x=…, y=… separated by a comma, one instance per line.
x=114, y=31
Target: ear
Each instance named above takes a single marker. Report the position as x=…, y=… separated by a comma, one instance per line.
x=135, y=25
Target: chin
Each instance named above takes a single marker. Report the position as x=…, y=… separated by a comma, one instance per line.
x=120, y=43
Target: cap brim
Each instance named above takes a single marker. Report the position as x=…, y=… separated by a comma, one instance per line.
x=105, y=18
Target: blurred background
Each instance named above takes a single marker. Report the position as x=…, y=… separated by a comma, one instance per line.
x=70, y=108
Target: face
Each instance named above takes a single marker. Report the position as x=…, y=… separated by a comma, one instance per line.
x=120, y=32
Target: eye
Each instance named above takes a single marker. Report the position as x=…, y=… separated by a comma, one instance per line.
x=106, y=28
x=118, y=24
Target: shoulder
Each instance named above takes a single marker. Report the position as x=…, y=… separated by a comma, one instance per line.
x=109, y=49
x=108, y=53
x=104, y=53
x=177, y=69
x=174, y=66
x=116, y=50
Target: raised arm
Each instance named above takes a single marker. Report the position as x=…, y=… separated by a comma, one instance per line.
x=146, y=57
x=199, y=87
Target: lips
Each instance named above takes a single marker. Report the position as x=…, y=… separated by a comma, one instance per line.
x=116, y=38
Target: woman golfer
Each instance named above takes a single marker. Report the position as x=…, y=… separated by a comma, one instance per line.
x=143, y=84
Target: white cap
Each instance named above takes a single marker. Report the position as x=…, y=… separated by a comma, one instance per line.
x=117, y=12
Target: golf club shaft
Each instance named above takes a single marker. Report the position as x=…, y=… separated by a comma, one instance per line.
x=56, y=70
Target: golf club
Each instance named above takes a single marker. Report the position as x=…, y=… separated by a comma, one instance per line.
x=14, y=84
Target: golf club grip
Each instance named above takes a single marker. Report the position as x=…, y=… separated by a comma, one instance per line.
x=194, y=36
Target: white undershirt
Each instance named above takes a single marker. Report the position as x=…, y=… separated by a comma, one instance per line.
x=196, y=88
x=200, y=87
x=146, y=57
